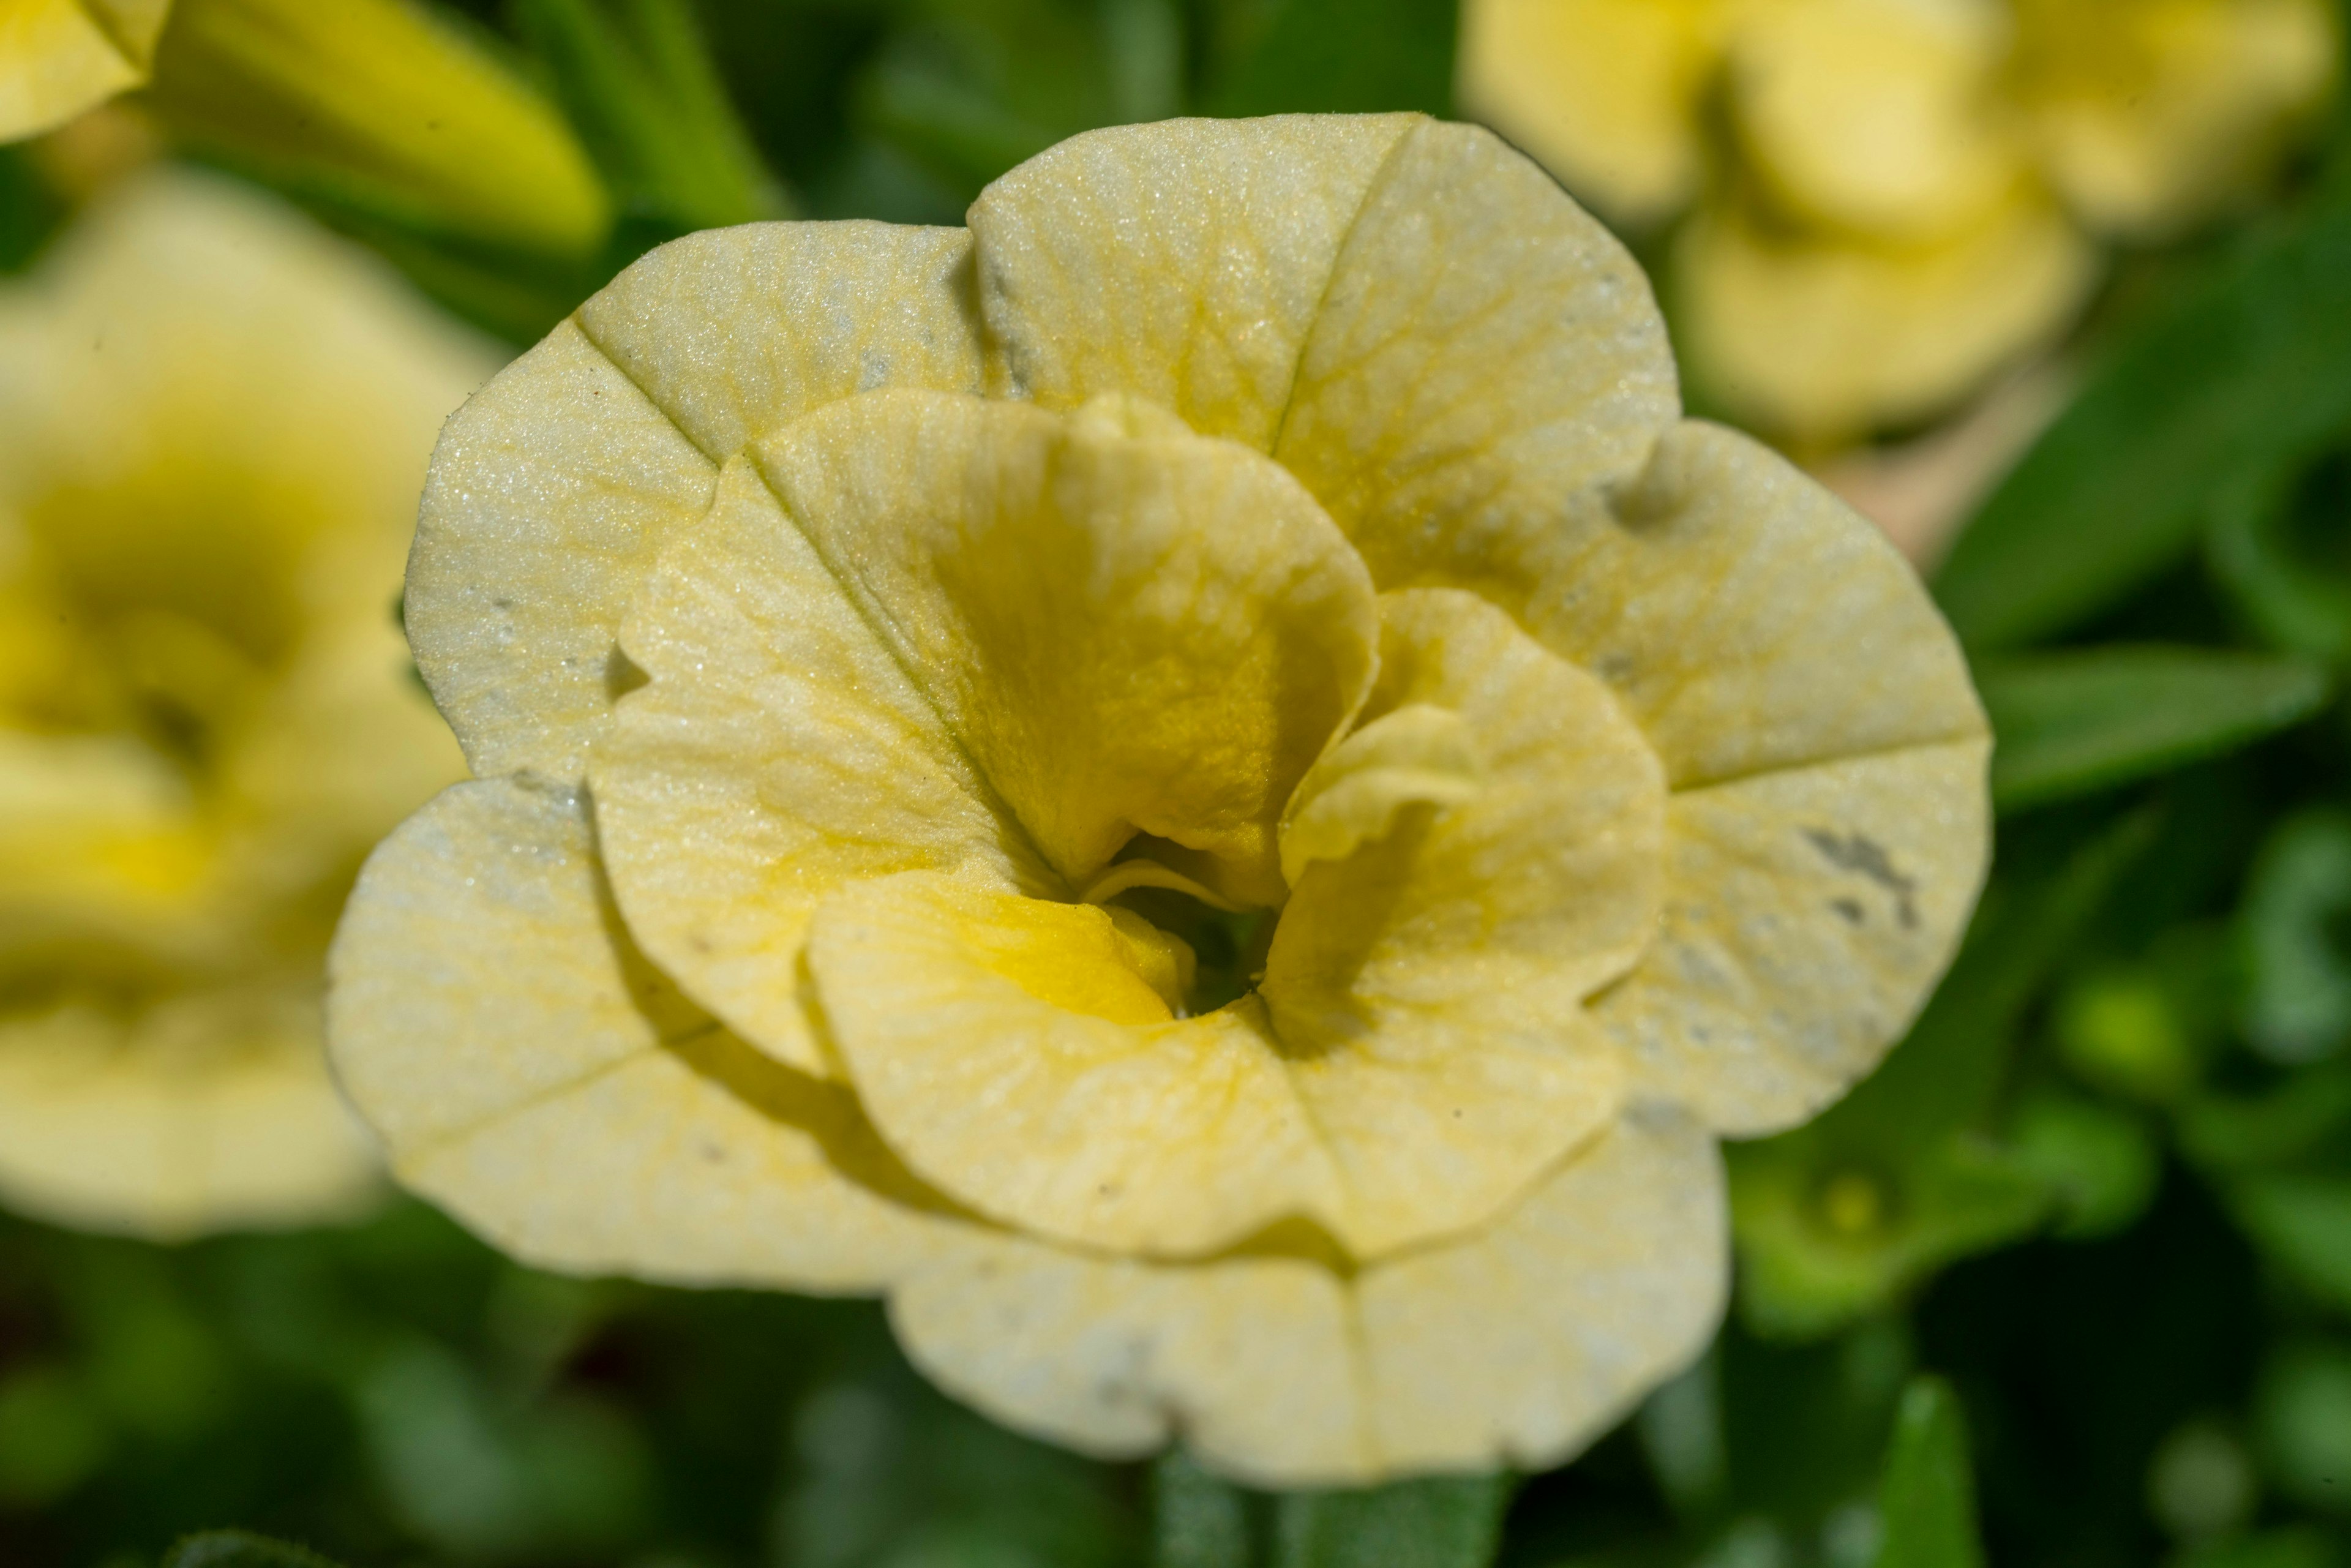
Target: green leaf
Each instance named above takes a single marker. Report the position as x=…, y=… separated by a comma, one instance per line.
x=2277, y=549
x=2309, y=1114
x=2301, y=1412
x=1197, y=1520
x=2075, y=722
x=1344, y=57
x=240, y=1549
x=2100, y=1160
x=1446, y=1521
x=2298, y=991
x=2235, y=377
x=2304, y=1223
x=1927, y=1502
x=636, y=79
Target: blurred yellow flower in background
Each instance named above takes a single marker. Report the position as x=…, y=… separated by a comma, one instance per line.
x=1894, y=198
x=213, y=422
x=378, y=102
x=1202, y=782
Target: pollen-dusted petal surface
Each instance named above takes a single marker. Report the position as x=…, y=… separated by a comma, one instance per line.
x=1181, y=262
x=1427, y=988
x=58, y=58
x=1789, y=667
x=1252, y=1360
x=1515, y=1346
x=1747, y=619
x=1014, y=1054
x=533, y=1075
x=779, y=752
x=200, y=1111
x=1808, y=913
x=1606, y=92
x=554, y=488
x=1484, y=348
x=1129, y=628
x=1522, y=1345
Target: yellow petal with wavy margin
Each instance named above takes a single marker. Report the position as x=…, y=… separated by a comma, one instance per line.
x=1181, y=262
x=1517, y=1345
x=58, y=58
x=553, y=491
x=1130, y=628
x=1748, y=619
x=1808, y=915
x=1427, y=989
x=1014, y=1052
x=779, y=752
x=1523, y=1344
x=201, y=1112
x=1416, y=755
x=1484, y=348
x=535, y=1075
x=1605, y=93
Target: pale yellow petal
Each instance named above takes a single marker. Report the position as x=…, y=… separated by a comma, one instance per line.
x=58, y=58
x=2152, y=115
x=198, y=1112
x=549, y=499
x=1879, y=118
x=1415, y=755
x=529, y=1071
x=1251, y=1362
x=100, y=842
x=1130, y=629
x=1015, y=1054
x=1520, y=1347
x=1181, y=262
x=1825, y=339
x=1748, y=619
x=1808, y=915
x=736, y=333
x=1604, y=93
x=1484, y=348
x=780, y=752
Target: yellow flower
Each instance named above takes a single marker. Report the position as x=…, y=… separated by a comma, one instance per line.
x=376, y=99
x=1200, y=782
x=1894, y=197
x=213, y=424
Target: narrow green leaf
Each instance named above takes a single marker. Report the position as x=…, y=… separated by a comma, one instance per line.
x=1346, y=57
x=2298, y=978
x=1197, y=1520
x=1927, y=1502
x=2240, y=376
x=241, y=1549
x=1448, y=1521
x=2072, y=723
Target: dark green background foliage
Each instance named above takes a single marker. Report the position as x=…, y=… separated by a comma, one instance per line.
x=2067, y=1282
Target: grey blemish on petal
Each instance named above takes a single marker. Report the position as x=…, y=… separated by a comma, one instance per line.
x=1865, y=856
x=1848, y=907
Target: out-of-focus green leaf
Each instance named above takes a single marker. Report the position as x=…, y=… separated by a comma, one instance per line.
x=2292, y=1547
x=239, y=1549
x=2309, y=1114
x=2100, y=1161
x=1449, y=1522
x=2304, y=1223
x=2075, y=722
x=53, y=1434
x=2240, y=376
x=2200, y=1484
x=2118, y=1028
x=2302, y=1411
x=1837, y=1218
x=637, y=80
x=1197, y=1520
x=1344, y=57
x=2296, y=915
x=1926, y=1503
x=2281, y=549
x=29, y=211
